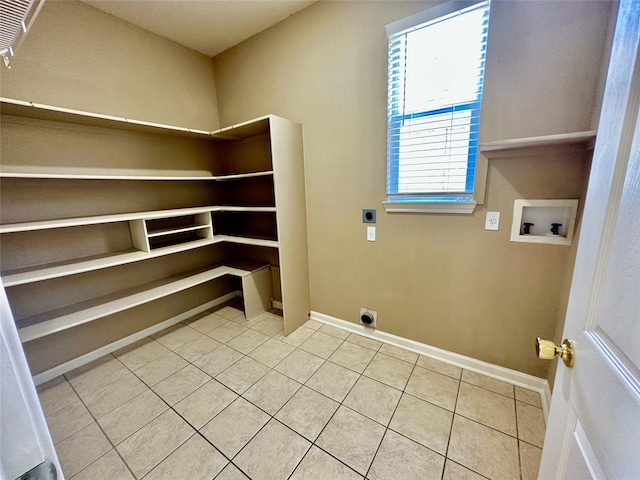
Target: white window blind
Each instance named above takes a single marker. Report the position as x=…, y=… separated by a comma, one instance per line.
x=436, y=73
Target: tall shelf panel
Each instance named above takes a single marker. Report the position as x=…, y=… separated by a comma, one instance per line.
x=177, y=213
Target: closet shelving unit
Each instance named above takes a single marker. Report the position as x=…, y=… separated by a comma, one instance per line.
x=232, y=205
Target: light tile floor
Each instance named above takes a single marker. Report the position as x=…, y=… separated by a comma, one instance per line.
x=220, y=397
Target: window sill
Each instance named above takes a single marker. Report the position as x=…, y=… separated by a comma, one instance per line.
x=429, y=207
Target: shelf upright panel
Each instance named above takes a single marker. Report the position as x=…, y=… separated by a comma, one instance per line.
x=289, y=186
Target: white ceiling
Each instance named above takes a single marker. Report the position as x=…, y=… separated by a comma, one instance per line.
x=208, y=26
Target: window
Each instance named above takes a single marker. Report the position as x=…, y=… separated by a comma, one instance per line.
x=436, y=73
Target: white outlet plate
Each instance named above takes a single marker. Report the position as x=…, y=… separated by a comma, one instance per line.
x=493, y=221
x=371, y=234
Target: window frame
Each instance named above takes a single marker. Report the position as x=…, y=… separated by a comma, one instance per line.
x=435, y=202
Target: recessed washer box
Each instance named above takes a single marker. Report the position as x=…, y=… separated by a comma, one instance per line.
x=535, y=221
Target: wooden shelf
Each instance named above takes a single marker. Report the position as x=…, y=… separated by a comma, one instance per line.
x=227, y=208
x=258, y=126
x=12, y=278
x=73, y=173
x=22, y=108
x=258, y=242
x=123, y=217
x=538, y=142
x=40, y=111
x=171, y=231
x=22, y=276
x=239, y=176
x=47, y=323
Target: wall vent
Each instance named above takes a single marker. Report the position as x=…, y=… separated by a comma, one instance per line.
x=16, y=19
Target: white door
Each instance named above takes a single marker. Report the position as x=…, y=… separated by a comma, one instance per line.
x=593, y=429
x=25, y=441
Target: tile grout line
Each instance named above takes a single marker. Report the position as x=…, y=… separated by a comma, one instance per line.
x=387, y=427
x=515, y=412
x=453, y=417
x=169, y=408
x=113, y=447
x=313, y=443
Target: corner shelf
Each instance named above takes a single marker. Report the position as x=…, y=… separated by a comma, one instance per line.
x=142, y=250
x=123, y=217
x=47, y=323
x=541, y=214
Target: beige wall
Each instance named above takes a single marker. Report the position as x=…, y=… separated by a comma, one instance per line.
x=438, y=279
x=78, y=57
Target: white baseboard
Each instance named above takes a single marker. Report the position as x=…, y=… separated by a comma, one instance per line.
x=123, y=342
x=500, y=373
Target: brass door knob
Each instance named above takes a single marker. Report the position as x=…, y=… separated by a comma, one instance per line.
x=547, y=350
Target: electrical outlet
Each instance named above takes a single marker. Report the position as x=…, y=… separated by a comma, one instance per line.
x=368, y=317
x=493, y=221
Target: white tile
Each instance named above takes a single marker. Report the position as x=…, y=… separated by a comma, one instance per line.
x=218, y=360
x=232, y=428
x=399, y=457
x=423, y=422
x=195, y=459
x=272, y=391
x=81, y=449
x=132, y=415
x=68, y=420
x=319, y=465
x=399, y=353
x=503, y=388
x=242, y=374
x=321, y=344
x=272, y=352
x=373, y=399
x=146, y=448
x=333, y=381
x=299, y=365
x=182, y=383
x=433, y=387
x=114, y=394
x=205, y=403
x=487, y=407
x=352, y=356
x=109, y=466
x=56, y=395
x=273, y=453
x=160, y=368
x=352, y=438
x=94, y=375
x=307, y=412
x=140, y=353
x=484, y=450
x=389, y=370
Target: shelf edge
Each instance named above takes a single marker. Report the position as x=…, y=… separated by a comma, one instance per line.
x=540, y=141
